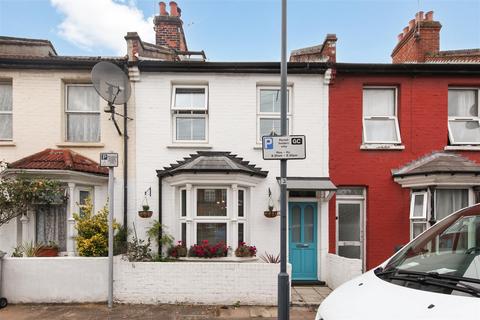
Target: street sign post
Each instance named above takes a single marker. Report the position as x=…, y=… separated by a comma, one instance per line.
x=110, y=160
x=284, y=147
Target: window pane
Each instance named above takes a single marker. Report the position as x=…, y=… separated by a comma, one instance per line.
x=5, y=97
x=212, y=202
x=352, y=252
x=269, y=100
x=82, y=98
x=241, y=203
x=184, y=233
x=83, y=195
x=462, y=103
x=190, y=128
x=350, y=191
x=379, y=102
x=296, y=224
x=449, y=201
x=348, y=222
x=309, y=219
x=190, y=98
x=213, y=232
x=51, y=225
x=465, y=131
x=382, y=130
x=418, y=205
x=267, y=126
x=6, y=131
x=241, y=236
x=418, y=228
x=83, y=127
x=184, y=202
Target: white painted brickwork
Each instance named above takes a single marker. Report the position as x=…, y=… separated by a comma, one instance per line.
x=341, y=270
x=78, y=279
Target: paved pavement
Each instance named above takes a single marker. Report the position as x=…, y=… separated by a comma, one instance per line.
x=309, y=295
x=146, y=312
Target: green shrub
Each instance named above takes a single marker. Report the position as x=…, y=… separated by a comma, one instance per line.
x=92, y=238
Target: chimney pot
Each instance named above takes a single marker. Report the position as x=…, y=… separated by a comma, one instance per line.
x=419, y=16
x=405, y=30
x=174, y=9
x=429, y=16
x=411, y=24
x=163, y=11
x=400, y=37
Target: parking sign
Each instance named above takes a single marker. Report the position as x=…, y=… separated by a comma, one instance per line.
x=284, y=147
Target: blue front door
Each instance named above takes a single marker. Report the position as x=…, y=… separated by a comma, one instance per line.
x=302, y=247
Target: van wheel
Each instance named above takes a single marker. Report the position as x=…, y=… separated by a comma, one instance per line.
x=3, y=302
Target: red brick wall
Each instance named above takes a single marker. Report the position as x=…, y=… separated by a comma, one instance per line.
x=422, y=111
x=418, y=42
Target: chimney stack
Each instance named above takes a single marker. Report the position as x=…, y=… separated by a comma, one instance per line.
x=419, y=39
x=169, y=27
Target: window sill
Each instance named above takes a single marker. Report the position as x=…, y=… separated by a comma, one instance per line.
x=258, y=147
x=463, y=148
x=222, y=259
x=81, y=144
x=7, y=144
x=190, y=146
x=382, y=147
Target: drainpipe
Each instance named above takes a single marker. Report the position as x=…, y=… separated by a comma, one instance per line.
x=125, y=167
x=160, y=214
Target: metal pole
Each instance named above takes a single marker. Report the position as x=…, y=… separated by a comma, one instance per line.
x=110, y=237
x=283, y=278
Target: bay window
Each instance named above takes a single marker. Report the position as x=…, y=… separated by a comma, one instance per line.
x=268, y=115
x=216, y=214
x=190, y=113
x=380, y=119
x=6, y=131
x=82, y=111
x=463, y=116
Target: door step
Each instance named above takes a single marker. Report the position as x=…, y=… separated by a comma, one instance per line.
x=300, y=283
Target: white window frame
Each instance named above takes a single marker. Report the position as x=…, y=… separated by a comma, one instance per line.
x=395, y=117
x=413, y=195
x=9, y=112
x=273, y=115
x=232, y=220
x=67, y=112
x=192, y=112
x=452, y=119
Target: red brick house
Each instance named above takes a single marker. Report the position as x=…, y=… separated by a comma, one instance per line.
x=404, y=143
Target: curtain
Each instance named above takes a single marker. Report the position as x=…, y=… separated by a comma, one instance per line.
x=6, y=127
x=51, y=225
x=5, y=97
x=83, y=127
x=82, y=98
x=378, y=102
x=462, y=103
x=191, y=128
x=5, y=111
x=381, y=130
x=449, y=201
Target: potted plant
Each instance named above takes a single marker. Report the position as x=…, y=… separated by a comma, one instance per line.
x=178, y=251
x=145, y=212
x=47, y=250
x=245, y=251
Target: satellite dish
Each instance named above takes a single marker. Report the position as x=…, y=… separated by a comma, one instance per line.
x=112, y=84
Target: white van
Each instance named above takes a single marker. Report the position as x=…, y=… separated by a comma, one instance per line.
x=435, y=276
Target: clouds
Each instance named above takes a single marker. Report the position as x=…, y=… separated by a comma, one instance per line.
x=93, y=24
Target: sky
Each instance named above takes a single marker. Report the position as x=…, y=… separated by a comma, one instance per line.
x=240, y=30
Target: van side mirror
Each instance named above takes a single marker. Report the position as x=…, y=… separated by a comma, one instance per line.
x=398, y=248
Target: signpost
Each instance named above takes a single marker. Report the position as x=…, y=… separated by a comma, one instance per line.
x=284, y=147
x=110, y=160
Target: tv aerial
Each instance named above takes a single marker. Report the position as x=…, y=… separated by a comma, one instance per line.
x=112, y=84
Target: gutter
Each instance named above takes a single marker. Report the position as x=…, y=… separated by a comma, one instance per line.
x=468, y=69
x=160, y=215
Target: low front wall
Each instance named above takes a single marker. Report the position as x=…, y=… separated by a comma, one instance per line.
x=341, y=269
x=78, y=279
x=55, y=280
x=196, y=282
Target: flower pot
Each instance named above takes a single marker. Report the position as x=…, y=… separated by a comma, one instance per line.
x=145, y=213
x=47, y=252
x=270, y=213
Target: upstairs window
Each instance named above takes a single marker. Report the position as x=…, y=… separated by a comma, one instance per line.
x=268, y=117
x=463, y=116
x=6, y=131
x=190, y=113
x=82, y=113
x=380, y=121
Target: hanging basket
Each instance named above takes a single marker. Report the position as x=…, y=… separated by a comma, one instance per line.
x=270, y=213
x=145, y=213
